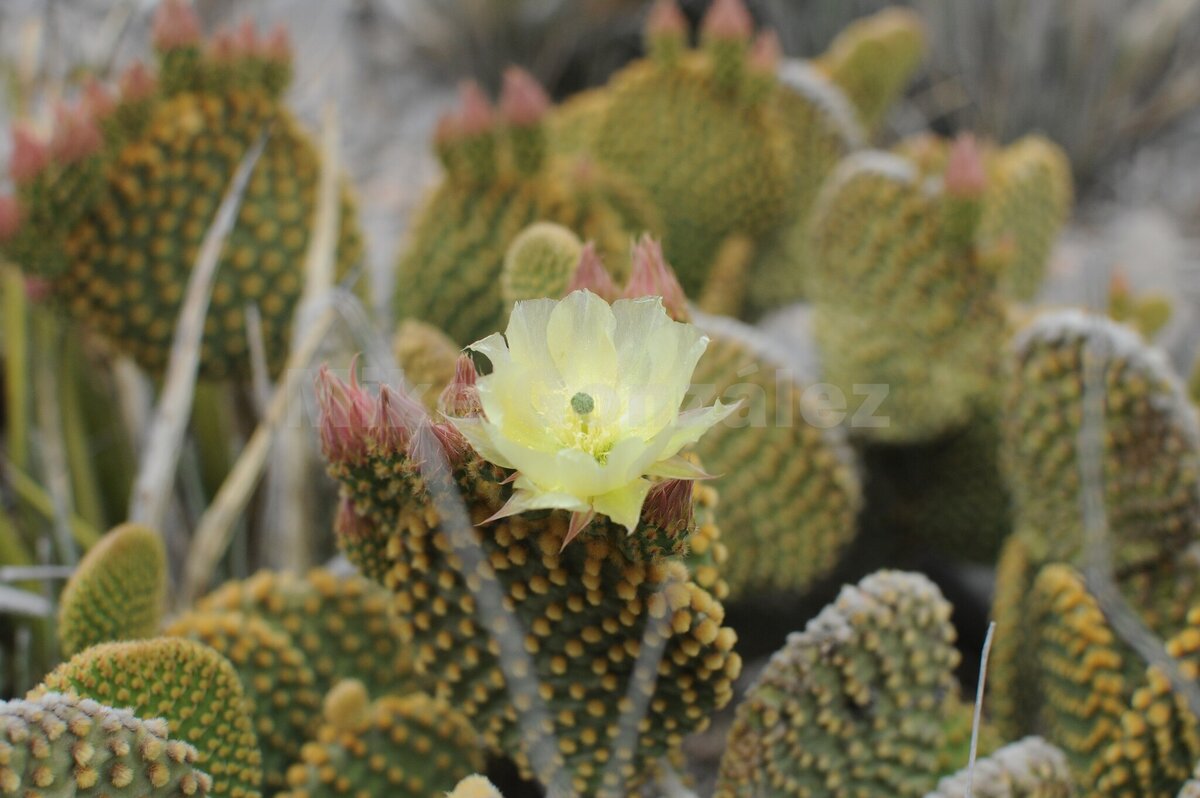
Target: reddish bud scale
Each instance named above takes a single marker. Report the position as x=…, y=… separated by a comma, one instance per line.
x=666, y=20
x=591, y=275
x=728, y=19
x=965, y=175
x=98, y=102
x=475, y=115
x=30, y=156
x=523, y=102
x=277, y=46
x=669, y=505
x=354, y=423
x=76, y=135
x=651, y=276
x=460, y=399
x=765, y=53
x=137, y=83
x=175, y=26
x=10, y=218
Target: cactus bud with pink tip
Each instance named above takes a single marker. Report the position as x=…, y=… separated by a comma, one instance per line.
x=666, y=31
x=591, y=275
x=523, y=105
x=652, y=276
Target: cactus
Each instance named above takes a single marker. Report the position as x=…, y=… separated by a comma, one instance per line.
x=958, y=725
x=896, y=274
x=190, y=686
x=873, y=60
x=275, y=674
x=399, y=746
x=1151, y=441
x=1147, y=314
x=582, y=608
x=854, y=703
x=698, y=131
x=1081, y=667
x=126, y=244
x=65, y=745
x=822, y=129
x=499, y=179
x=539, y=263
x=117, y=591
x=1028, y=200
x=789, y=493
x=1029, y=768
x=427, y=357
x=342, y=624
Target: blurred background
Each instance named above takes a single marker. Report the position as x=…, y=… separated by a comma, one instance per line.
x=1115, y=82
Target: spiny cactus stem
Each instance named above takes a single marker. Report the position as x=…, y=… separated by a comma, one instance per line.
x=1098, y=568
x=156, y=475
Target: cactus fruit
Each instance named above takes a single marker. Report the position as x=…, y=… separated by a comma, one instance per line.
x=822, y=128
x=187, y=684
x=1029, y=768
x=399, y=746
x=341, y=623
x=539, y=263
x=895, y=277
x=582, y=610
x=854, y=703
x=117, y=591
x=873, y=59
x=276, y=677
x=696, y=131
x=498, y=181
x=1151, y=441
x=478, y=787
x=789, y=492
x=132, y=242
x=60, y=745
x=427, y=357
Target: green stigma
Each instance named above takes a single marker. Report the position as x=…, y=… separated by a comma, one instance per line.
x=582, y=403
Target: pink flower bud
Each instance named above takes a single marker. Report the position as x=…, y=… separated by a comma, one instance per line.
x=137, y=82
x=98, y=102
x=460, y=399
x=223, y=46
x=965, y=176
x=591, y=275
x=523, y=102
x=766, y=53
x=245, y=38
x=669, y=505
x=277, y=46
x=651, y=276
x=10, y=217
x=665, y=19
x=475, y=115
x=30, y=155
x=175, y=25
x=346, y=413
x=727, y=19
x=76, y=135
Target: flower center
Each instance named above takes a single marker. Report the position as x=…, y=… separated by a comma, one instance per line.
x=583, y=403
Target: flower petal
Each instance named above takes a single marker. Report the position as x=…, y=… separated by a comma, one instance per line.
x=523, y=500
x=478, y=433
x=526, y=333
x=624, y=505
x=694, y=423
x=677, y=467
x=580, y=338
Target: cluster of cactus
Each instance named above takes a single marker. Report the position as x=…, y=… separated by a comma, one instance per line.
x=1062, y=665
x=112, y=211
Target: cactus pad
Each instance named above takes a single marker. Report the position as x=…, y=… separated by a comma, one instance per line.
x=117, y=591
x=789, y=493
x=398, y=746
x=276, y=677
x=853, y=704
x=342, y=624
x=59, y=745
x=187, y=684
x=1029, y=768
